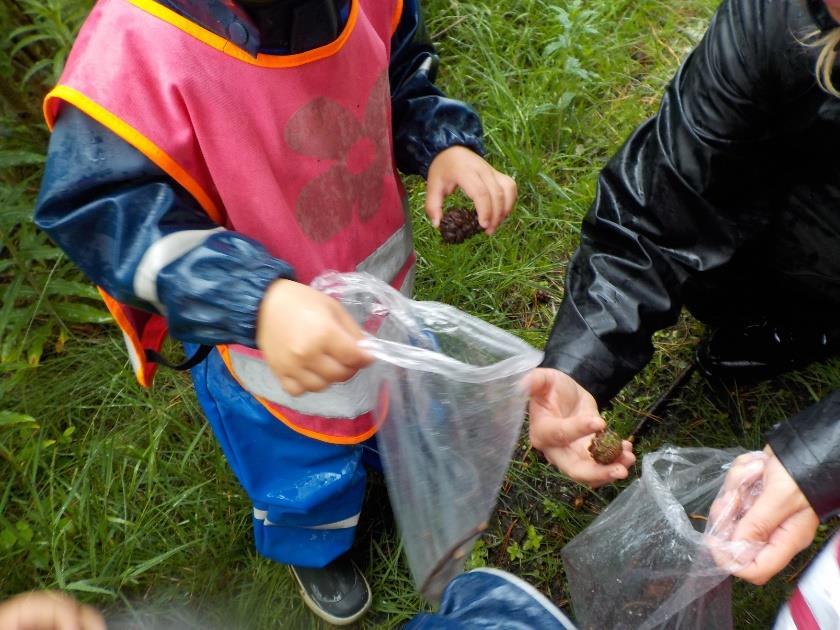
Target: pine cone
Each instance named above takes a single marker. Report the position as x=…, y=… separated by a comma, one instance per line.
x=606, y=447
x=458, y=225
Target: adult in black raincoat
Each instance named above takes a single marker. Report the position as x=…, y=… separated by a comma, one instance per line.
x=726, y=202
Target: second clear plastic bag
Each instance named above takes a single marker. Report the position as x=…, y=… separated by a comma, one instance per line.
x=450, y=409
x=647, y=560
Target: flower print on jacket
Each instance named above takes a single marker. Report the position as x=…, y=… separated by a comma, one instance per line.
x=360, y=152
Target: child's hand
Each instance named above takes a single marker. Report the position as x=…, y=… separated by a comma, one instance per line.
x=48, y=610
x=492, y=192
x=307, y=338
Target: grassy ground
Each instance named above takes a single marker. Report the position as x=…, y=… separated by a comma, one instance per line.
x=121, y=495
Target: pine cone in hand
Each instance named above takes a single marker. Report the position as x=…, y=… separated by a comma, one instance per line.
x=458, y=225
x=605, y=447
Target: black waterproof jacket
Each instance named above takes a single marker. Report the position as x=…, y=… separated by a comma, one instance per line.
x=726, y=202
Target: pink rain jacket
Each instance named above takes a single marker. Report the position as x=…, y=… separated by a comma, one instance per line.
x=294, y=151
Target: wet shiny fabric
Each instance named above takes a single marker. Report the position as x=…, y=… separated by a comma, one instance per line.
x=489, y=599
x=808, y=445
x=724, y=202
x=303, y=490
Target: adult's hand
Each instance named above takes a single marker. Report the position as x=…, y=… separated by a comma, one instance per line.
x=563, y=421
x=780, y=519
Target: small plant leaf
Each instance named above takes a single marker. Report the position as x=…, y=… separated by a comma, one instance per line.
x=8, y=538
x=73, y=313
x=10, y=418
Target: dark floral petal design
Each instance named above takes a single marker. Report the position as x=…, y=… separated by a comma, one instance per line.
x=369, y=187
x=325, y=205
x=375, y=125
x=362, y=156
x=322, y=129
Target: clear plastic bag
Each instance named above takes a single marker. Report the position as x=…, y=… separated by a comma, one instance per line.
x=647, y=561
x=450, y=409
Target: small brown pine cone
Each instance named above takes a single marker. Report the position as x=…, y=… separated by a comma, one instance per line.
x=605, y=447
x=458, y=225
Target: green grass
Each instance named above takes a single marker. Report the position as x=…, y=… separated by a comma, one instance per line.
x=121, y=496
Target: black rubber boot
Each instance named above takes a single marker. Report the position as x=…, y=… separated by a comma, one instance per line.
x=337, y=593
x=755, y=352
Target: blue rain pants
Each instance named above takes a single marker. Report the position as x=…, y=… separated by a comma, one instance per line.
x=306, y=494
x=490, y=599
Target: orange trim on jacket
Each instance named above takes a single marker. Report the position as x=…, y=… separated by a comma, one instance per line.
x=134, y=138
x=395, y=19
x=131, y=337
x=154, y=331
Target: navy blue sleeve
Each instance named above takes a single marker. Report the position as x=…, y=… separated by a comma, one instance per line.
x=425, y=121
x=141, y=237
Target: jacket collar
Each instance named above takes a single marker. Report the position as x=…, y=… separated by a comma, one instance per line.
x=293, y=26
x=224, y=18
